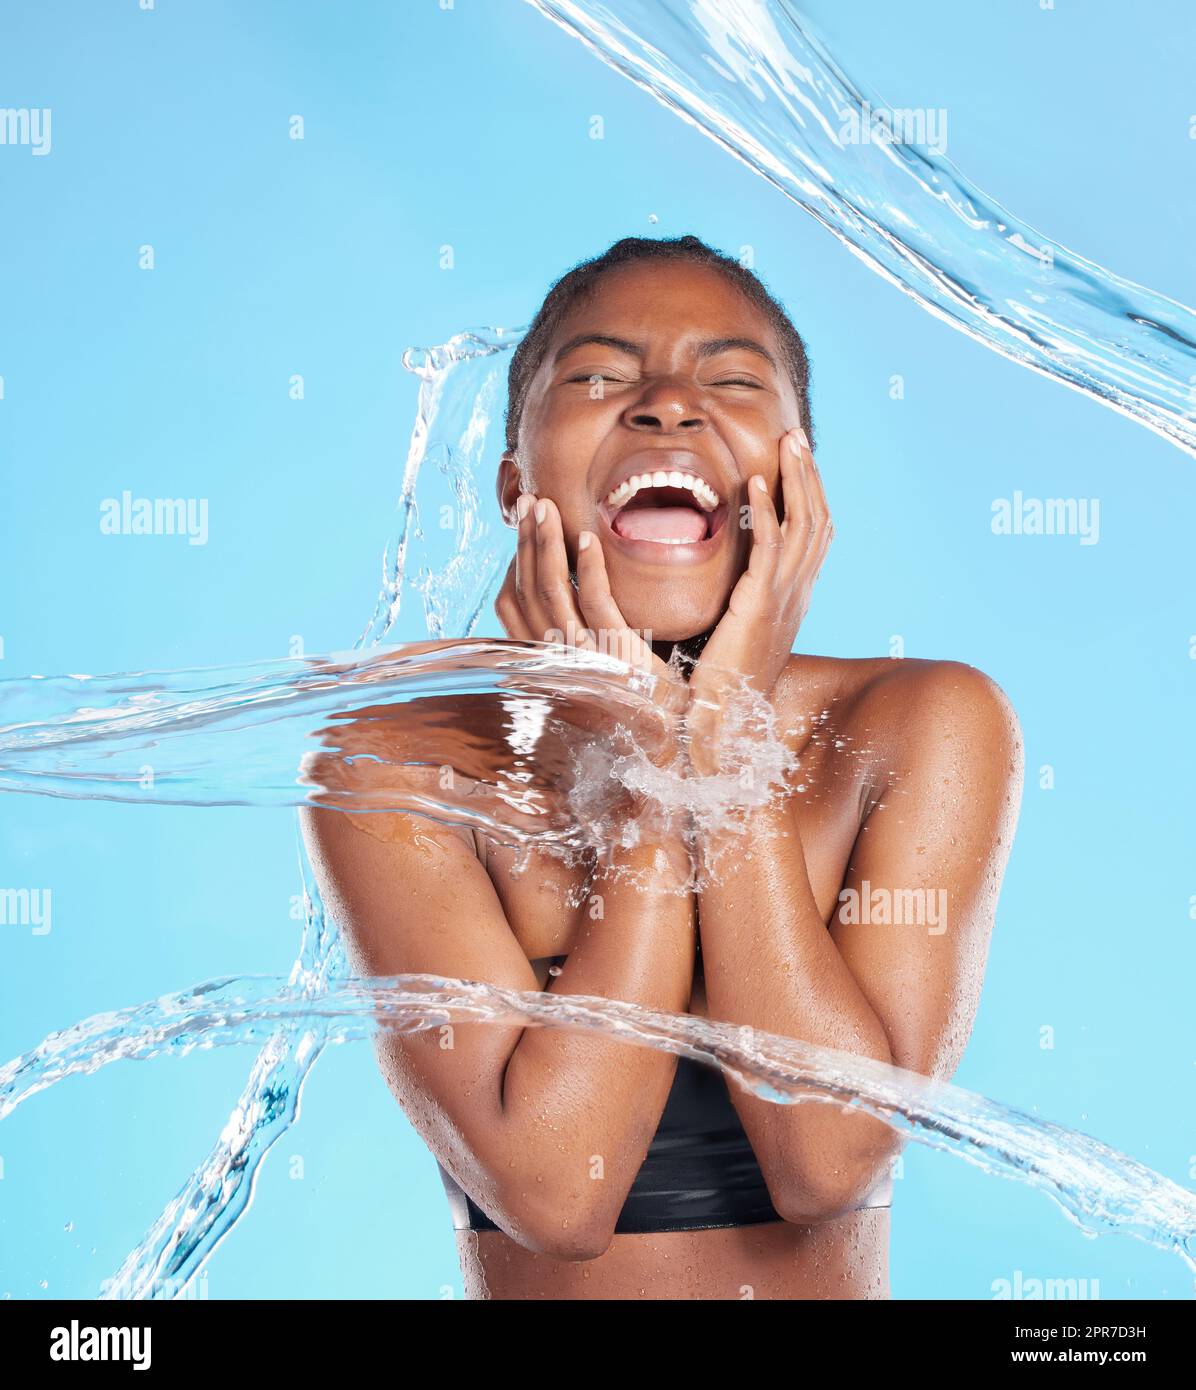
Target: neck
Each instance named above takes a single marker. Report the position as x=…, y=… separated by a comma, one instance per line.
x=683, y=653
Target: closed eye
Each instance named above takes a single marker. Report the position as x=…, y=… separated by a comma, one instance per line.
x=738, y=381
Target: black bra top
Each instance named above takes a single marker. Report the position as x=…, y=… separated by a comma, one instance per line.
x=699, y=1173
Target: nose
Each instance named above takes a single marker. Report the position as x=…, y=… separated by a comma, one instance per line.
x=666, y=406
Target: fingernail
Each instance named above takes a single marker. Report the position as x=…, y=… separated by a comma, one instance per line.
x=759, y=484
x=522, y=505
x=583, y=540
x=805, y=439
x=541, y=510
x=794, y=445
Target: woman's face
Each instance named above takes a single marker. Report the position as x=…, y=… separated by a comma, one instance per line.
x=667, y=369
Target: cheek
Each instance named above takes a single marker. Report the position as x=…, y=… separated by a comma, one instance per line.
x=567, y=415
x=754, y=436
x=557, y=443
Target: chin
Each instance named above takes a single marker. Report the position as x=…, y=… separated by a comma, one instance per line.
x=670, y=616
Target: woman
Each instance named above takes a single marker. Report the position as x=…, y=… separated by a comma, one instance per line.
x=660, y=477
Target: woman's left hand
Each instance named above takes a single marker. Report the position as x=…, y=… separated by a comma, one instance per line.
x=755, y=637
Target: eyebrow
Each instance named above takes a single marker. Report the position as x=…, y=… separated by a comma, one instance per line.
x=600, y=340
x=710, y=348
x=713, y=346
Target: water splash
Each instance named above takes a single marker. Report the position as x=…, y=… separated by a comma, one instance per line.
x=249, y=735
x=289, y=733
x=540, y=746
x=461, y=382
x=754, y=77
x=1097, y=1187
x=506, y=717
x=177, y=1246
x=451, y=571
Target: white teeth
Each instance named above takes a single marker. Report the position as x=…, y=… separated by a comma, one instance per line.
x=627, y=489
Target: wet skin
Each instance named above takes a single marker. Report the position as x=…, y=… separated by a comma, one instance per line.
x=663, y=394
x=910, y=777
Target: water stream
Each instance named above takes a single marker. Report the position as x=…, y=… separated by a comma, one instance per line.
x=345, y=730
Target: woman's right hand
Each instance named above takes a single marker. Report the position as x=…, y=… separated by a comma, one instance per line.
x=538, y=603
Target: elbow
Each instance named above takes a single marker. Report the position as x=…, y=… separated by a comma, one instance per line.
x=811, y=1206
x=564, y=1242
x=566, y=1230
x=575, y=1249
x=812, y=1193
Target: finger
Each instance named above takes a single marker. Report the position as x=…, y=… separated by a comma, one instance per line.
x=511, y=616
x=767, y=540
x=553, y=585
x=525, y=553
x=792, y=489
x=801, y=537
x=601, y=612
x=821, y=529
x=526, y=570
x=822, y=509
x=509, y=609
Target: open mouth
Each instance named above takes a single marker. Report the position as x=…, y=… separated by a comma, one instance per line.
x=664, y=507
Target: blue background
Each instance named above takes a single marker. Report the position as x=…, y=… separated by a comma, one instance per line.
x=469, y=127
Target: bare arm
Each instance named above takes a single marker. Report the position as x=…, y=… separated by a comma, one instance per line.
x=546, y=1129
x=904, y=992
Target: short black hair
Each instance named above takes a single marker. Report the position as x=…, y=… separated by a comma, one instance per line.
x=578, y=283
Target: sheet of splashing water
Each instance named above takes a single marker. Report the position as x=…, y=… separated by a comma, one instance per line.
x=507, y=716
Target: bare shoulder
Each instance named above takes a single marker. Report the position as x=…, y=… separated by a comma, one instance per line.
x=350, y=803
x=906, y=707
